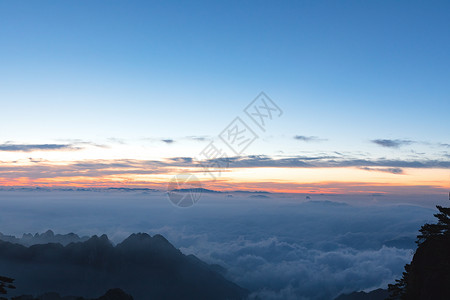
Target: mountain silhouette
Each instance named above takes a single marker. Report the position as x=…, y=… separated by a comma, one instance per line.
x=378, y=294
x=144, y=266
x=429, y=271
x=29, y=239
x=112, y=294
x=428, y=274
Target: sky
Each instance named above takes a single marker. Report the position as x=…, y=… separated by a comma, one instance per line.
x=129, y=94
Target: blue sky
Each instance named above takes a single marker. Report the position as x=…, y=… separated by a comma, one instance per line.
x=329, y=60
x=345, y=72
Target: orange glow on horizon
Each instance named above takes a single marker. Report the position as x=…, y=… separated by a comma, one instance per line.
x=137, y=174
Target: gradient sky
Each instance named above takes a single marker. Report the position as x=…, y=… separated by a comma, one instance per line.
x=98, y=93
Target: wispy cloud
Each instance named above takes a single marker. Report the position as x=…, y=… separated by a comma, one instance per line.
x=325, y=161
x=305, y=138
x=80, y=142
x=181, y=159
x=45, y=168
x=392, y=143
x=199, y=138
x=116, y=140
x=104, y=172
x=168, y=141
x=86, y=168
x=36, y=147
x=387, y=170
x=179, y=139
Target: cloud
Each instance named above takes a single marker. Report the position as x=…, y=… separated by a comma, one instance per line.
x=303, y=273
x=181, y=159
x=330, y=161
x=387, y=170
x=36, y=147
x=87, y=169
x=199, y=138
x=37, y=160
x=82, y=142
x=392, y=143
x=321, y=257
x=332, y=248
x=116, y=140
x=308, y=138
x=194, y=138
x=167, y=141
x=91, y=170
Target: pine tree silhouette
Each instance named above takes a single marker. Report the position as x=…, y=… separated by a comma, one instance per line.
x=437, y=235
x=5, y=283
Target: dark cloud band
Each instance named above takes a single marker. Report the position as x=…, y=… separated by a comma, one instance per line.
x=35, y=147
x=392, y=143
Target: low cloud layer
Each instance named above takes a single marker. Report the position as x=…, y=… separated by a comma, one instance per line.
x=279, y=248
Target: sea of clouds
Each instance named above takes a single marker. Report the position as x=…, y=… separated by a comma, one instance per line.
x=277, y=246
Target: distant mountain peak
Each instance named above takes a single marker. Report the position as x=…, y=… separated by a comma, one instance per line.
x=378, y=294
x=49, y=236
x=142, y=265
x=48, y=233
x=103, y=240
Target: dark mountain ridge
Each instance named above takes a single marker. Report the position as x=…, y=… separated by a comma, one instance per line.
x=112, y=294
x=428, y=274
x=144, y=266
x=378, y=294
x=29, y=239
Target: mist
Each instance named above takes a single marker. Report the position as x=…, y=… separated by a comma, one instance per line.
x=277, y=246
